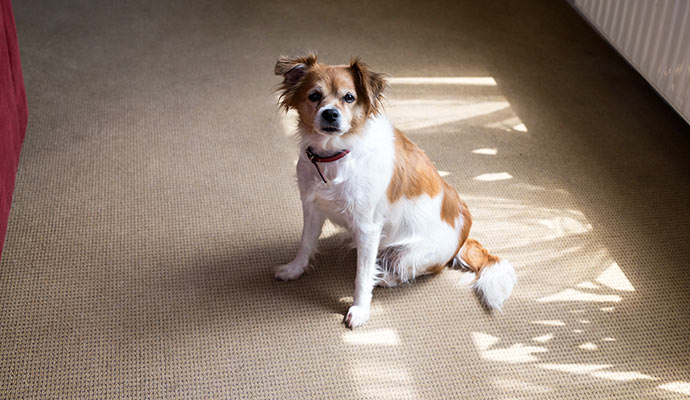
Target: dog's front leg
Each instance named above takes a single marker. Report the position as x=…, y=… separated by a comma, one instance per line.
x=367, y=241
x=311, y=230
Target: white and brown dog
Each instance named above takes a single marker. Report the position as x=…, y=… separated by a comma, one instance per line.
x=361, y=173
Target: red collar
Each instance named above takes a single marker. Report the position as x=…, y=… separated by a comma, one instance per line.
x=315, y=158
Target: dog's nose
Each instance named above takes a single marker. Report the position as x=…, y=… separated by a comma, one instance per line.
x=330, y=115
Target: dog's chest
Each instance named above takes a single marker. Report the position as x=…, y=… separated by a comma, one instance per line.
x=343, y=189
x=354, y=186
x=333, y=205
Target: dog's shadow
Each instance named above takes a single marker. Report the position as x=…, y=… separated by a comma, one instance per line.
x=243, y=278
x=243, y=281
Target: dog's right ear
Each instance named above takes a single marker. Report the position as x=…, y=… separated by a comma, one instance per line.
x=293, y=69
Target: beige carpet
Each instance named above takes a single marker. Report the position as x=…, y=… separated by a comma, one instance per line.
x=156, y=192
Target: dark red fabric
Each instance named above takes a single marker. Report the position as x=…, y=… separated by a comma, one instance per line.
x=313, y=157
x=13, y=112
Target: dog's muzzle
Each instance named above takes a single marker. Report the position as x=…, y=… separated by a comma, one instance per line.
x=330, y=120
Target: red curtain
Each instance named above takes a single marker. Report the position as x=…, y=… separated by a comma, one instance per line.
x=13, y=111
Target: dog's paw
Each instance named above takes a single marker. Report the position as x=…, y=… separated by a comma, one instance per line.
x=356, y=316
x=289, y=272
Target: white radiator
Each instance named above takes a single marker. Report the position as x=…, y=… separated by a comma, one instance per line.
x=654, y=36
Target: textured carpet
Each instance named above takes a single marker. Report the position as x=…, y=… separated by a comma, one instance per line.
x=156, y=192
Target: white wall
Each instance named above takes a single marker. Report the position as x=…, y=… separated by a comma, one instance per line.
x=654, y=36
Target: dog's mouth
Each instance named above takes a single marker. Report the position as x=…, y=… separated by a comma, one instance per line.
x=329, y=130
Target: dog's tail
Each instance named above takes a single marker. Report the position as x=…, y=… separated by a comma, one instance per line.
x=494, y=278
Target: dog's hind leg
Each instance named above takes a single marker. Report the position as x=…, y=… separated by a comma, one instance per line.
x=387, y=261
x=403, y=263
x=388, y=279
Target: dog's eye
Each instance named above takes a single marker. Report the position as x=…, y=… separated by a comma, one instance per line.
x=349, y=98
x=316, y=96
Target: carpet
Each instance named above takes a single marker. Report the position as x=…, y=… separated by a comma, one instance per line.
x=156, y=191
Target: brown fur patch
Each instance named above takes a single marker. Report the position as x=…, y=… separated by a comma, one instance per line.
x=476, y=256
x=413, y=174
x=465, y=231
x=450, y=208
x=466, y=224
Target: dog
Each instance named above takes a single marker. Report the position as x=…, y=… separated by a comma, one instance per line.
x=361, y=173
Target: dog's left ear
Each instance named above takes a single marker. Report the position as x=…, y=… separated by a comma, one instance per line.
x=369, y=84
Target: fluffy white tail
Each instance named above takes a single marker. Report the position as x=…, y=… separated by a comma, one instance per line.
x=495, y=278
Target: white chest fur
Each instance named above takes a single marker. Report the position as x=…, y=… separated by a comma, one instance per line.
x=356, y=184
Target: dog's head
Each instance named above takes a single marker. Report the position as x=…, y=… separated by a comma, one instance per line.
x=330, y=99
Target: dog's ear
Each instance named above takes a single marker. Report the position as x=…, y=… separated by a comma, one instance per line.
x=293, y=69
x=369, y=84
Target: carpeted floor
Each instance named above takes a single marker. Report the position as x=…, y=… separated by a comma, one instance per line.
x=156, y=191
